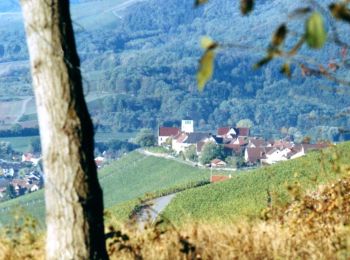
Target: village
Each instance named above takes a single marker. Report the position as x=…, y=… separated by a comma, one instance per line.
x=21, y=175
x=236, y=142
x=239, y=150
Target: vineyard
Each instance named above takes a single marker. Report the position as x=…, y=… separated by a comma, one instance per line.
x=248, y=193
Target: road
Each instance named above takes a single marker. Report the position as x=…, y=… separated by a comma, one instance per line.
x=151, y=211
x=23, y=109
x=193, y=164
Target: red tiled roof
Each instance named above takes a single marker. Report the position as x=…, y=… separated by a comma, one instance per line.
x=218, y=162
x=243, y=131
x=223, y=130
x=168, y=131
x=218, y=178
x=181, y=137
x=235, y=147
x=256, y=154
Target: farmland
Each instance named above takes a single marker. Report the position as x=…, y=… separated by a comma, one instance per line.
x=129, y=178
x=246, y=194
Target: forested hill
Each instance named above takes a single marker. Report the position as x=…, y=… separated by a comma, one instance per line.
x=144, y=53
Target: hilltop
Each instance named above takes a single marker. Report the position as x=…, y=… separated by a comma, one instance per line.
x=144, y=55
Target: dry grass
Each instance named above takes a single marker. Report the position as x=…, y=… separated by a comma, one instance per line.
x=314, y=226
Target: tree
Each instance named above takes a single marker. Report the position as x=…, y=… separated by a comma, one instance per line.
x=245, y=123
x=34, y=145
x=191, y=153
x=145, y=138
x=211, y=151
x=73, y=196
x=10, y=192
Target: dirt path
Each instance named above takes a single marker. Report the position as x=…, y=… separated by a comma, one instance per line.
x=23, y=109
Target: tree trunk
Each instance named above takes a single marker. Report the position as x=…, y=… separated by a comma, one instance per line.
x=74, y=205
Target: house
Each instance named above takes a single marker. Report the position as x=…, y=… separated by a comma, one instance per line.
x=219, y=178
x=231, y=132
x=187, y=126
x=218, y=163
x=28, y=157
x=276, y=155
x=233, y=149
x=99, y=160
x=177, y=143
x=164, y=133
x=240, y=140
x=254, y=155
x=301, y=149
x=255, y=143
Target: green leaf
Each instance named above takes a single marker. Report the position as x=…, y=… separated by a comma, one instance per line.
x=315, y=31
x=205, y=70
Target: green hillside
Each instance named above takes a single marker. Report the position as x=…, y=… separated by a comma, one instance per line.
x=246, y=193
x=129, y=178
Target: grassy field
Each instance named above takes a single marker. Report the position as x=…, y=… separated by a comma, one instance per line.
x=19, y=144
x=124, y=180
x=246, y=194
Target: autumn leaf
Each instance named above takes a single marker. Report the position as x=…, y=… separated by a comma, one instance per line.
x=315, y=32
x=280, y=35
x=199, y=2
x=340, y=11
x=206, y=67
x=247, y=6
x=286, y=70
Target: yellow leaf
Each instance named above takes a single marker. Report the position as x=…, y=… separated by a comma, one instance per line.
x=205, y=70
x=315, y=31
x=207, y=42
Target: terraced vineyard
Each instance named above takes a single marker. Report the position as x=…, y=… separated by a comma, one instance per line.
x=246, y=194
x=129, y=178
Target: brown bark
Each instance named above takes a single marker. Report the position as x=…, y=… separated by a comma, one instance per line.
x=74, y=205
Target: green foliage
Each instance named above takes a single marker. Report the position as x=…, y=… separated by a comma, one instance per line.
x=145, y=138
x=129, y=178
x=245, y=195
x=211, y=151
x=191, y=153
x=35, y=145
x=315, y=31
x=10, y=192
x=245, y=123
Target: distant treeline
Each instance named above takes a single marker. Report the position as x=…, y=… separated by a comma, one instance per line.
x=19, y=132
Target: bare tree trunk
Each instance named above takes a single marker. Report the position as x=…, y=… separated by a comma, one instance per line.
x=74, y=205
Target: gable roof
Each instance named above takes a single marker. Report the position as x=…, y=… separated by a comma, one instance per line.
x=168, y=131
x=181, y=137
x=258, y=142
x=194, y=138
x=223, y=130
x=255, y=154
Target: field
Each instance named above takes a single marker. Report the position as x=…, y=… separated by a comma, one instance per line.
x=127, y=179
x=246, y=194
x=19, y=144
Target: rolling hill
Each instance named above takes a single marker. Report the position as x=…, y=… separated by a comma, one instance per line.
x=131, y=177
x=246, y=194
x=144, y=54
